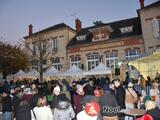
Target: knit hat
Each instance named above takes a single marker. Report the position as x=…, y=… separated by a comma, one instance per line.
x=92, y=108
x=62, y=97
x=130, y=84
x=146, y=98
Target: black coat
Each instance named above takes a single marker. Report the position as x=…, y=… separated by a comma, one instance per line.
x=155, y=113
x=108, y=101
x=23, y=112
x=6, y=104
x=120, y=96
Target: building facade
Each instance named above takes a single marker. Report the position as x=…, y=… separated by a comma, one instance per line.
x=110, y=43
x=51, y=42
x=150, y=22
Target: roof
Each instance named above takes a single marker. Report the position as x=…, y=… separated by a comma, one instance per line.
x=152, y=5
x=57, y=26
x=114, y=35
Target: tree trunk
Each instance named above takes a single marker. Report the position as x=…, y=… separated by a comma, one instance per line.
x=4, y=74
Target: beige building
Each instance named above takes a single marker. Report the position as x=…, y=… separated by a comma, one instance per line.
x=150, y=22
x=110, y=43
x=52, y=43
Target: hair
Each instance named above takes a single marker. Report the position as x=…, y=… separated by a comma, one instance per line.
x=41, y=101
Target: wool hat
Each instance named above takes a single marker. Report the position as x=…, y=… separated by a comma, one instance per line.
x=92, y=108
x=145, y=117
x=62, y=97
x=130, y=84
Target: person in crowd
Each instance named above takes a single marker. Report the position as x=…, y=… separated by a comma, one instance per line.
x=6, y=106
x=23, y=111
x=27, y=95
x=63, y=109
x=91, y=112
x=56, y=92
x=41, y=111
x=148, y=85
x=98, y=92
x=152, y=110
x=120, y=93
x=131, y=99
x=88, y=95
x=35, y=96
x=154, y=93
x=77, y=98
x=108, y=102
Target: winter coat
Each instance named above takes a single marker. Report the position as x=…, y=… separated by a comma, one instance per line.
x=42, y=113
x=155, y=113
x=34, y=100
x=77, y=99
x=106, y=102
x=6, y=104
x=23, y=112
x=63, y=111
x=120, y=96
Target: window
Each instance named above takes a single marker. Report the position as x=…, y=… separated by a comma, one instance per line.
x=126, y=29
x=81, y=37
x=54, y=44
x=56, y=63
x=76, y=60
x=132, y=53
x=92, y=61
x=34, y=49
x=111, y=59
x=156, y=27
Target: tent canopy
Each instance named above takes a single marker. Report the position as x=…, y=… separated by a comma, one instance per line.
x=52, y=71
x=73, y=71
x=99, y=70
x=32, y=73
x=20, y=73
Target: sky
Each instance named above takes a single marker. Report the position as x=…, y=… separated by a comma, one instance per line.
x=16, y=15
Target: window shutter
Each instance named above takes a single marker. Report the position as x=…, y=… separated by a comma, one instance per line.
x=156, y=29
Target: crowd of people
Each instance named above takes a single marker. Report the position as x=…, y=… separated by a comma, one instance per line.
x=85, y=99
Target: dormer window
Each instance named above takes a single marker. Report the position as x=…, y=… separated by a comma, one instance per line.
x=126, y=29
x=81, y=37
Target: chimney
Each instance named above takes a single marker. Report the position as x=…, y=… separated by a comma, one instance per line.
x=78, y=25
x=141, y=3
x=30, y=29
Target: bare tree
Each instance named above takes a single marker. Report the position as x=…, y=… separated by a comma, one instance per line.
x=40, y=50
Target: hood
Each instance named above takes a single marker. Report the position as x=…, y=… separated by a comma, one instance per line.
x=63, y=105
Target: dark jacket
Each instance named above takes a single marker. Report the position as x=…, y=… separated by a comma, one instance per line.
x=15, y=102
x=34, y=100
x=77, y=102
x=6, y=104
x=63, y=111
x=107, y=102
x=23, y=112
x=155, y=113
x=120, y=96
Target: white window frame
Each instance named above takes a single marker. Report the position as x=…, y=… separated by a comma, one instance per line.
x=111, y=59
x=75, y=60
x=57, y=63
x=93, y=60
x=132, y=53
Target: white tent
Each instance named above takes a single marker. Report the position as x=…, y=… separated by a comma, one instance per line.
x=33, y=73
x=99, y=70
x=19, y=74
x=73, y=71
x=52, y=71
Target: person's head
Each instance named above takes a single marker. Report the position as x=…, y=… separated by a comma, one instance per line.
x=41, y=101
x=117, y=83
x=56, y=90
x=150, y=105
